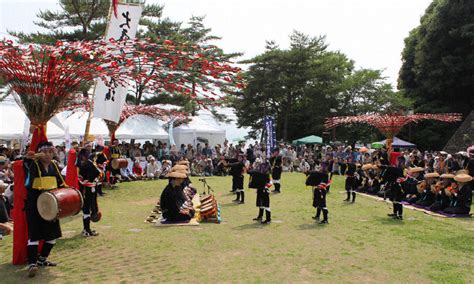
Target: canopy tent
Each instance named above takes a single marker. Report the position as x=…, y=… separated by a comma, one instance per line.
x=77, y=125
x=198, y=129
x=13, y=119
x=312, y=139
x=141, y=127
x=397, y=143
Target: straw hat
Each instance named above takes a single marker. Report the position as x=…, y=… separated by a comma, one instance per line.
x=450, y=176
x=179, y=167
x=176, y=175
x=463, y=178
x=432, y=175
x=182, y=162
x=416, y=170
x=367, y=167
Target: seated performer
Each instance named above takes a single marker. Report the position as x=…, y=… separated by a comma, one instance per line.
x=373, y=183
x=88, y=177
x=462, y=196
x=319, y=180
x=425, y=189
x=441, y=199
x=41, y=174
x=410, y=184
x=173, y=200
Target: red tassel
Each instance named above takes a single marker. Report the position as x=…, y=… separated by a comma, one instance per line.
x=71, y=171
x=115, y=7
x=39, y=135
x=20, y=232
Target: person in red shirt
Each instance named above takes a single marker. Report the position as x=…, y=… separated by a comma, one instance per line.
x=137, y=170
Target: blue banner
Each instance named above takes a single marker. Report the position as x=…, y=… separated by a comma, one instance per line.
x=270, y=134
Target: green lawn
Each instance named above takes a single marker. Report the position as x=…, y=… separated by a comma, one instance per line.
x=360, y=244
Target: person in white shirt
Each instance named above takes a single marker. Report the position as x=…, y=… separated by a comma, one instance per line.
x=152, y=169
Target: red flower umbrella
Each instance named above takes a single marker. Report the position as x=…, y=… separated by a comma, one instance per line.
x=390, y=124
x=148, y=110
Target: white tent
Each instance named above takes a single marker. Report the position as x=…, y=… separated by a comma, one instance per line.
x=77, y=125
x=141, y=127
x=13, y=119
x=198, y=129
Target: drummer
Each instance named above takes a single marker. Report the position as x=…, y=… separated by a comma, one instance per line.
x=173, y=200
x=115, y=153
x=42, y=174
x=88, y=177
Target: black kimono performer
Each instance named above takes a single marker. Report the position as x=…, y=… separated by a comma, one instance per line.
x=276, y=163
x=41, y=175
x=99, y=159
x=114, y=154
x=172, y=203
x=351, y=182
x=88, y=177
x=319, y=181
x=237, y=172
x=259, y=180
x=463, y=198
x=393, y=176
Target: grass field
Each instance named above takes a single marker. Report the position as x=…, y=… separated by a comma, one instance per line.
x=361, y=244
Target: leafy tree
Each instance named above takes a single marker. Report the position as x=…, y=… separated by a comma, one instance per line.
x=300, y=86
x=438, y=63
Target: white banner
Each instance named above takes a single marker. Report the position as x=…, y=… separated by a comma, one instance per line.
x=109, y=101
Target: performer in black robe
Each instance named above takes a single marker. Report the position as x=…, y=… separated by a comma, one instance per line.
x=351, y=182
x=463, y=197
x=276, y=163
x=393, y=178
x=237, y=172
x=319, y=181
x=42, y=174
x=99, y=159
x=115, y=153
x=259, y=179
x=88, y=177
x=415, y=177
x=427, y=193
x=172, y=200
x=441, y=199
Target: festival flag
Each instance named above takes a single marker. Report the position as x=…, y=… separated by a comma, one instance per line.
x=110, y=98
x=270, y=134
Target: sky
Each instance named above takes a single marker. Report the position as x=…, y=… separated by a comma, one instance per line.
x=371, y=32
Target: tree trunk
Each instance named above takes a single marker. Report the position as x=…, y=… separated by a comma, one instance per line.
x=286, y=117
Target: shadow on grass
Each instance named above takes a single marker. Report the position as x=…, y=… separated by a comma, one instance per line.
x=230, y=204
x=18, y=274
x=312, y=226
x=389, y=221
x=251, y=226
x=75, y=241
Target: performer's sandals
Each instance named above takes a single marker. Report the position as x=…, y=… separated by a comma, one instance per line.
x=92, y=233
x=266, y=222
x=45, y=262
x=259, y=219
x=32, y=270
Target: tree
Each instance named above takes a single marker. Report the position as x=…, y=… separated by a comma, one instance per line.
x=438, y=63
x=300, y=86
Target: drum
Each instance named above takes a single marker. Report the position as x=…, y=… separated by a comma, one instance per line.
x=119, y=163
x=59, y=203
x=209, y=211
x=258, y=180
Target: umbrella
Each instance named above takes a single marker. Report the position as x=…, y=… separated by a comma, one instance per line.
x=377, y=145
x=312, y=139
x=363, y=150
